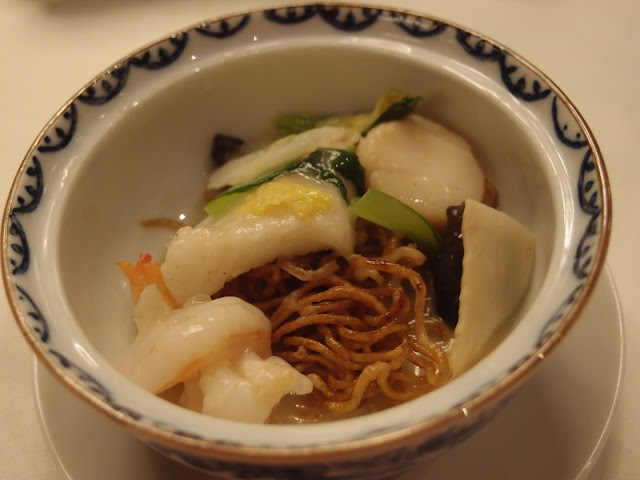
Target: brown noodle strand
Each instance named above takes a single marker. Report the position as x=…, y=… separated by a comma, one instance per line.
x=416, y=282
x=347, y=291
x=163, y=222
x=331, y=342
x=341, y=383
x=371, y=337
x=303, y=274
x=322, y=349
x=313, y=319
x=401, y=351
x=368, y=375
x=327, y=307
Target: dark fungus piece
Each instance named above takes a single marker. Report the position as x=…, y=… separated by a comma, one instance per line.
x=223, y=147
x=447, y=267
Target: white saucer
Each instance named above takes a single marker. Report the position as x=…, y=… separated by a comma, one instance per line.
x=554, y=428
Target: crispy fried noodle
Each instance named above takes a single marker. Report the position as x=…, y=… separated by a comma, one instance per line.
x=359, y=327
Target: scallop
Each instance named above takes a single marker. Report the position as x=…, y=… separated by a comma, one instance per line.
x=292, y=215
x=496, y=273
x=422, y=164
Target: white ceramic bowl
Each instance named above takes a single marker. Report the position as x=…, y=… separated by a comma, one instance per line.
x=134, y=144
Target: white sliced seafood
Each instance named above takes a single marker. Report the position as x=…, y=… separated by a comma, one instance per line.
x=248, y=388
x=177, y=345
x=422, y=164
x=496, y=273
x=281, y=152
x=202, y=259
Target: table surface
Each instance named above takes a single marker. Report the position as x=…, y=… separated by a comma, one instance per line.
x=50, y=48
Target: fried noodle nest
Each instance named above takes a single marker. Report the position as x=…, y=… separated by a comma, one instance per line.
x=359, y=327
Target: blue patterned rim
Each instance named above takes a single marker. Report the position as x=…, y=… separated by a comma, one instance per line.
x=522, y=80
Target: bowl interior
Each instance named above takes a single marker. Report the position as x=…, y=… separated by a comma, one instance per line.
x=154, y=159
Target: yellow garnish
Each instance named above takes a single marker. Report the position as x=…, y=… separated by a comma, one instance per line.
x=301, y=200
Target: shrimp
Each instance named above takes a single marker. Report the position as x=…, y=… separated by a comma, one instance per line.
x=174, y=345
x=245, y=390
x=144, y=273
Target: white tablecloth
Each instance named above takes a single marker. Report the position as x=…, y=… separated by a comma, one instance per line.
x=50, y=48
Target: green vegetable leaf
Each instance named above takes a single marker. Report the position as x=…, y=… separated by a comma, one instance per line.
x=226, y=200
x=386, y=211
x=330, y=164
x=348, y=165
x=297, y=123
x=223, y=202
x=396, y=111
x=393, y=105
